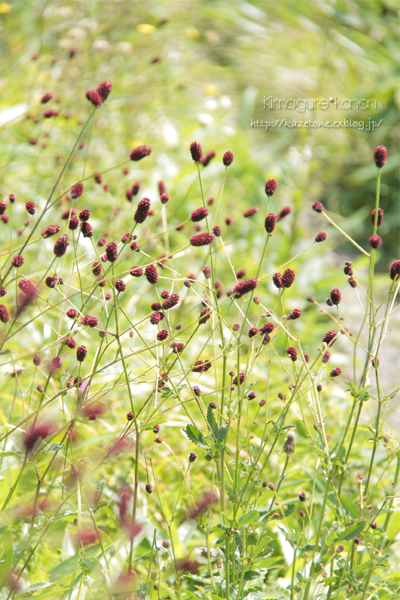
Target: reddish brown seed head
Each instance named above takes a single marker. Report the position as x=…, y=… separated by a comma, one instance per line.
x=270, y=221
x=336, y=296
x=250, y=212
x=380, y=156
x=151, y=274
x=77, y=191
x=375, y=241
x=81, y=353
x=142, y=210
x=318, y=207
x=199, y=214
x=205, y=160
x=104, y=89
x=140, y=152
x=288, y=278
x=270, y=187
x=227, y=159
x=201, y=239
x=195, y=151
x=94, y=97
x=286, y=210
x=112, y=251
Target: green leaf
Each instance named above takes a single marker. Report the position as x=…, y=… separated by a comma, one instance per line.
x=196, y=436
x=248, y=518
x=249, y=575
x=352, y=531
x=290, y=509
x=211, y=421
x=222, y=433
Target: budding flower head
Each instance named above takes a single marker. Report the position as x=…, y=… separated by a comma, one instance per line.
x=192, y=457
x=103, y=89
x=289, y=445
x=288, y=278
x=318, y=207
x=270, y=221
x=151, y=274
x=380, y=217
x=336, y=296
x=217, y=230
x=112, y=251
x=140, y=152
x=199, y=214
x=380, y=156
x=228, y=158
x=320, y=237
x=286, y=210
x=205, y=160
x=202, y=239
x=195, y=151
x=277, y=279
x=375, y=241
x=395, y=270
x=30, y=207
x=77, y=191
x=302, y=497
x=94, y=97
x=335, y=372
x=292, y=353
x=142, y=210
x=243, y=287
x=270, y=187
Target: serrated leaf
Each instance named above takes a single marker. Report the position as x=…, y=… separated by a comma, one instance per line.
x=211, y=421
x=222, y=433
x=196, y=436
x=290, y=509
x=352, y=531
x=249, y=575
x=248, y=518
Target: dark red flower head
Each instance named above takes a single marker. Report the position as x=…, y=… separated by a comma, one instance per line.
x=27, y=287
x=227, y=159
x=4, y=316
x=295, y=314
x=50, y=230
x=395, y=270
x=250, y=212
x=30, y=207
x=318, y=207
x=292, y=353
x=286, y=210
x=103, y=89
x=61, y=245
x=336, y=296
x=217, y=230
x=320, y=237
x=288, y=278
x=195, y=151
x=46, y=97
x=151, y=274
x=73, y=223
x=112, y=251
x=253, y=331
x=380, y=156
x=136, y=272
x=81, y=353
x=335, y=372
x=267, y=328
x=17, y=261
x=277, y=279
x=90, y=321
x=140, y=152
x=243, y=287
x=93, y=97
x=205, y=160
x=352, y=282
x=72, y=313
x=380, y=217
x=142, y=210
x=3, y=207
x=87, y=229
x=135, y=188
x=77, y=191
x=36, y=432
x=270, y=221
x=199, y=214
x=330, y=338
x=375, y=241
x=202, y=239
x=170, y=302
x=156, y=317
x=84, y=215
x=205, y=314
x=270, y=187
x=162, y=335
x=164, y=198
x=120, y=285
x=241, y=273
